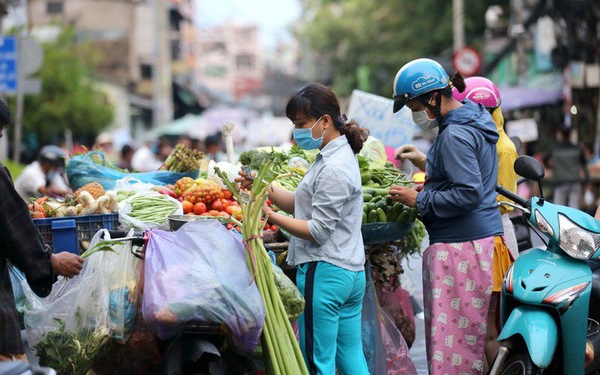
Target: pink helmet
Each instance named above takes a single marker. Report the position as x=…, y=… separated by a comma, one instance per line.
x=479, y=90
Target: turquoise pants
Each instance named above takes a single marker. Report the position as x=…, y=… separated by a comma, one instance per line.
x=330, y=327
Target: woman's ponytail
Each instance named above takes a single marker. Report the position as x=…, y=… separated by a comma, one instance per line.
x=459, y=82
x=355, y=134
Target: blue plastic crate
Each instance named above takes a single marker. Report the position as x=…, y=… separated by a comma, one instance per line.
x=86, y=227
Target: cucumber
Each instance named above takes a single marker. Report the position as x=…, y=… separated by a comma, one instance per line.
x=364, y=218
x=381, y=204
x=381, y=192
x=395, y=212
x=376, y=199
x=365, y=177
x=369, y=191
x=370, y=206
x=367, y=197
x=381, y=216
x=372, y=216
x=413, y=215
x=403, y=216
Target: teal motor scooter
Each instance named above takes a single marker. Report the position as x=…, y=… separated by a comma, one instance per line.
x=550, y=302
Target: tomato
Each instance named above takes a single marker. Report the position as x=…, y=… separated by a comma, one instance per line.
x=199, y=208
x=227, y=194
x=226, y=203
x=274, y=227
x=38, y=207
x=187, y=206
x=230, y=226
x=222, y=214
x=217, y=205
x=269, y=203
x=229, y=210
x=205, y=214
x=213, y=213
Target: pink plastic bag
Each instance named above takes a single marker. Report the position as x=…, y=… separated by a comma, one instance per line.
x=199, y=274
x=397, y=357
x=397, y=303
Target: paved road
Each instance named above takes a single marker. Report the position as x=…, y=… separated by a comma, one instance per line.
x=412, y=270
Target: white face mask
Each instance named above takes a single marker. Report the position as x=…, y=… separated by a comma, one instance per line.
x=422, y=119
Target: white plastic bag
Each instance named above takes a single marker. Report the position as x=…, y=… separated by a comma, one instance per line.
x=129, y=222
x=74, y=319
x=129, y=183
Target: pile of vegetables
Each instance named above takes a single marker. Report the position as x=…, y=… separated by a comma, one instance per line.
x=72, y=353
x=206, y=198
x=84, y=204
x=281, y=349
x=289, y=167
x=378, y=208
x=183, y=160
x=151, y=208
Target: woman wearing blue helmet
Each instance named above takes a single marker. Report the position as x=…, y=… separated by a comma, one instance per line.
x=457, y=204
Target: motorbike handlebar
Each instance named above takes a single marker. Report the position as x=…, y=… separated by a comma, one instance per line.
x=512, y=196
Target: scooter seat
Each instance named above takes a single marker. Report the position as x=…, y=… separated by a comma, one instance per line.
x=595, y=294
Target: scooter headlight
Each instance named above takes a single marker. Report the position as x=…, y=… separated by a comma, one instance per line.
x=576, y=241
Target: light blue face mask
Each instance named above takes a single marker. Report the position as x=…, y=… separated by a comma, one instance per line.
x=304, y=138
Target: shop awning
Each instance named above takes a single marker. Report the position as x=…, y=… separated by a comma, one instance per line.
x=527, y=97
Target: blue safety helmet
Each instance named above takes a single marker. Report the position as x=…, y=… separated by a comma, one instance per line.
x=416, y=78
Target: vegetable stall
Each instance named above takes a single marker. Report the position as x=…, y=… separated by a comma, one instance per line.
x=132, y=300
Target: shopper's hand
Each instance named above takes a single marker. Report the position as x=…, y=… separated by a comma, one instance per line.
x=244, y=181
x=67, y=264
x=404, y=195
x=410, y=152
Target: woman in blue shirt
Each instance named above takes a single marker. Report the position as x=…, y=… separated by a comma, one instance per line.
x=327, y=245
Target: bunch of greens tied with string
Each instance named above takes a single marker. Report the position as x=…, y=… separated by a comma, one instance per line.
x=281, y=349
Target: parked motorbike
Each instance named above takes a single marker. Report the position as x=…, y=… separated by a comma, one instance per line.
x=550, y=302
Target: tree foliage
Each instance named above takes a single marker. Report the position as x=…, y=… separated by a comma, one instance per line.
x=69, y=98
x=349, y=37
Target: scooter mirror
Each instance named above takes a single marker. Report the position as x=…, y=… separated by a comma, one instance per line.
x=529, y=168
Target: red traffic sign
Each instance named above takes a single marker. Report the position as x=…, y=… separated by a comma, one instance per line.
x=466, y=61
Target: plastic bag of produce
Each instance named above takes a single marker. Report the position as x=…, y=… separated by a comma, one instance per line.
x=397, y=357
x=92, y=167
x=148, y=210
x=16, y=279
x=129, y=183
x=292, y=299
x=199, y=274
x=71, y=327
x=374, y=151
x=399, y=306
x=371, y=329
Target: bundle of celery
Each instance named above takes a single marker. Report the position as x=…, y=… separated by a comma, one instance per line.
x=282, y=352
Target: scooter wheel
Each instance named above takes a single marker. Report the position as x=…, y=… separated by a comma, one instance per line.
x=520, y=364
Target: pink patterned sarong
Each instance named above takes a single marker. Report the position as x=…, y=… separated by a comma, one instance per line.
x=457, y=284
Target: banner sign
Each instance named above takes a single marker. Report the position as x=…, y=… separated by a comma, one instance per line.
x=376, y=114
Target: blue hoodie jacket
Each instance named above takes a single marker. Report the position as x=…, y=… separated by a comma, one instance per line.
x=458, y=202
